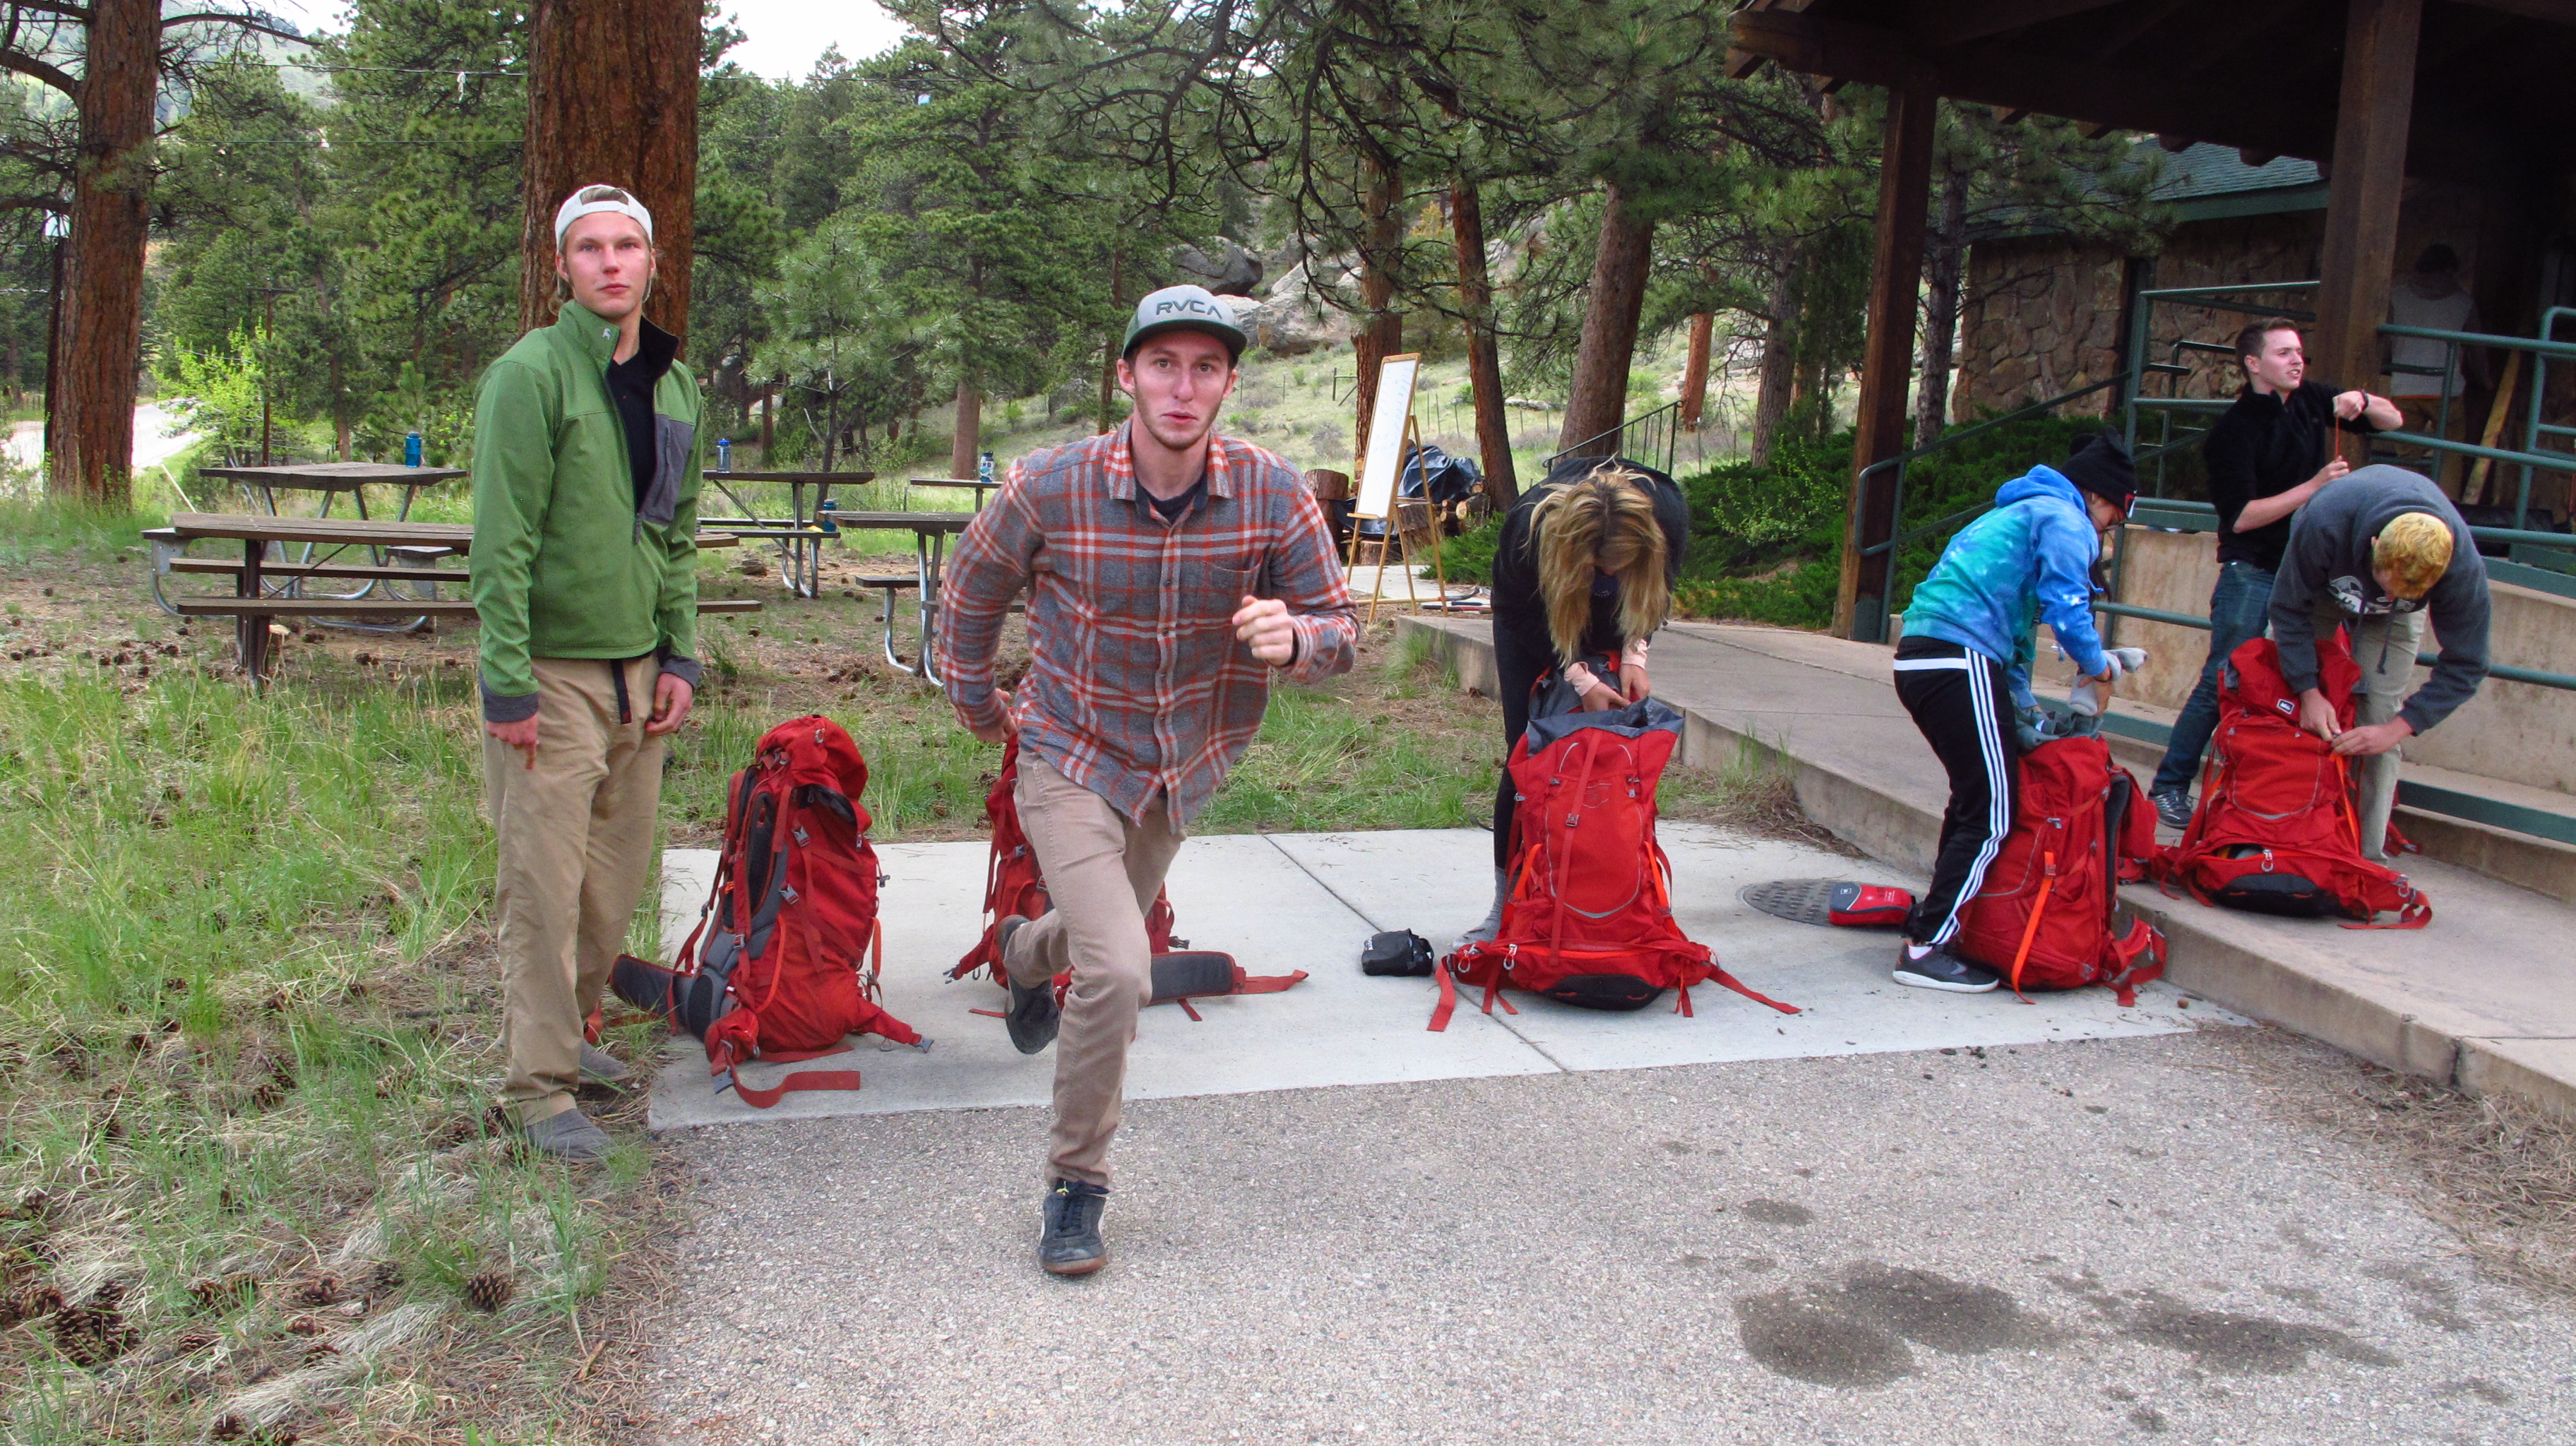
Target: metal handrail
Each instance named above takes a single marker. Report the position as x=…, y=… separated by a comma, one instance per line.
x=2482, y=534
x=1672, y=438
x=1952, y=439
x=2505, y=671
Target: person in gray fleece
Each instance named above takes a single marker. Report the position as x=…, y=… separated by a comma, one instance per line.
x=2375, y=552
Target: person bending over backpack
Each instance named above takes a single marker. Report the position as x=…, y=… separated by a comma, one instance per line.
x=2374, y=553
x=1171, y=573
x=1584, y=568
x=1964, y=666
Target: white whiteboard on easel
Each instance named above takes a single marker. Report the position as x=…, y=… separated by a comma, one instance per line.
x=1385, y=456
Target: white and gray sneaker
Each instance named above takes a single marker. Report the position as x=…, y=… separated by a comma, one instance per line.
x=1933, y=966
x=569, y=1135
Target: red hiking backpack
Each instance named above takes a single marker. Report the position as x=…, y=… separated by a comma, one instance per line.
x=1014, y=885
x=2047, y=916
x=785, y=975
x=1589, y=919
x=2278, y=828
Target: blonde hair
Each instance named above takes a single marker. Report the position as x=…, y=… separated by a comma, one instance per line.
x=2413, y=550
x=1605, y=521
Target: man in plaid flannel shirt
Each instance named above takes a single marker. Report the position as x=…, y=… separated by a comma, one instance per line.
x=1171, y=572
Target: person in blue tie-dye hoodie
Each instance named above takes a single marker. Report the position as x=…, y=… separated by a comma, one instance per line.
x=1963, y=668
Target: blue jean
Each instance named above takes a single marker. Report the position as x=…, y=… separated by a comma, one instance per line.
x=2237, y=608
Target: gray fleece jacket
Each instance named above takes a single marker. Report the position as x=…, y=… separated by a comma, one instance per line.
x=2329, y=556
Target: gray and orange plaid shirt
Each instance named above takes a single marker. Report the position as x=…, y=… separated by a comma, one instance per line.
x=1137, y=684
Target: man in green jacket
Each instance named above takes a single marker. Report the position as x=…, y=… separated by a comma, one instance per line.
x=586, y=473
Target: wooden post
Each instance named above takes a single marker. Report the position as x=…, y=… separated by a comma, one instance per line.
x=612, y=101
x=1887, y=365
x=2369, y=178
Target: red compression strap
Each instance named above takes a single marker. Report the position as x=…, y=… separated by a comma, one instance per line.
x=2030, y=930
x=820, y=1079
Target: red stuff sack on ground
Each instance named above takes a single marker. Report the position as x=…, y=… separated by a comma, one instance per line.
x=1588, y=919
x=2278, y=827
x=1013, y=885
x=784, y=974
x=2048, y=915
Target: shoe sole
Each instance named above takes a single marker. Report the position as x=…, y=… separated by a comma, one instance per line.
x=1075, y=1267
x=1919, y=981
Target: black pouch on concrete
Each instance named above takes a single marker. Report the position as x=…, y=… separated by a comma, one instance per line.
x=1399, y=952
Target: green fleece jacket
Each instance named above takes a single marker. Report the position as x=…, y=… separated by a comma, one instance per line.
x=566, y=562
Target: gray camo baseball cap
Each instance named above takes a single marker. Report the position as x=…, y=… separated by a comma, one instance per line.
x=1190, y=308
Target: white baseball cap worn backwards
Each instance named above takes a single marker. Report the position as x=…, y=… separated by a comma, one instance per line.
x=616, y=199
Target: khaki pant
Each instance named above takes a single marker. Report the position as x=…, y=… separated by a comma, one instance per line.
x=1102, y=873
x=576, y=840
x=2385, y=645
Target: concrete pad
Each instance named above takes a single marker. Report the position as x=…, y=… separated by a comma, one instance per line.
x=1283, y=902
x=1838, y=978
x=1236, y=893
x=2540, y=1070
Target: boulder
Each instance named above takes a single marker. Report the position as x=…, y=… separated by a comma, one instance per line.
x=1230, y=271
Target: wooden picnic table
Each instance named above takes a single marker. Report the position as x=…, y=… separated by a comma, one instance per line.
x=252, y=604
x=981, y=486
x=801, y=534
x=930, y=533
x=332, y=480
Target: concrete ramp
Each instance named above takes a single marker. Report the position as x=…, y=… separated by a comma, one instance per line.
x=1282, y=902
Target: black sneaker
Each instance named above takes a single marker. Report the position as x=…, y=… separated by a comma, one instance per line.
x=1069, y=1240
x=1938, y=968
x=1034, y=1015
x=2173, y=808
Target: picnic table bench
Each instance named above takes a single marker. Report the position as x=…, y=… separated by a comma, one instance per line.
x=801, y=534
x=253, y=604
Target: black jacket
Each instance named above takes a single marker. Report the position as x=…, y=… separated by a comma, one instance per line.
x=2262, y=447
x=1521, y=613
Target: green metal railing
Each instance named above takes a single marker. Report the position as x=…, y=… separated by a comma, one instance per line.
x=1634, y=438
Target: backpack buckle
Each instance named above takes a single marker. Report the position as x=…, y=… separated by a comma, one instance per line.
x=801, y=839
x=787, y=892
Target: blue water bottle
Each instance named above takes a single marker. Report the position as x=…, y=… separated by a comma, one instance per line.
x=411, y=450
x=984, y=468
x=724, y=454
x=823, y=518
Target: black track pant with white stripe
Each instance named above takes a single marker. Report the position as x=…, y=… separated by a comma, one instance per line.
x=1963, y=705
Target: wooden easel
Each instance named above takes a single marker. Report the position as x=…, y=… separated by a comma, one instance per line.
x=1403, y=545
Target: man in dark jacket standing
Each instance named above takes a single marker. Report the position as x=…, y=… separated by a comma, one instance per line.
x=2377, y=552
x=2271, y=452
x=586, y=474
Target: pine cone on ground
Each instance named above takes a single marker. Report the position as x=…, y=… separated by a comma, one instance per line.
x=92, y=1335
x=491, y=1290
x=34, y=1301
x=317, y=1290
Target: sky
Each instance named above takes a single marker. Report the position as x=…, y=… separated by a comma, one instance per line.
x=785, y=36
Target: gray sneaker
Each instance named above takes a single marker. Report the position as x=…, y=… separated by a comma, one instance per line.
x=568, y=1136
x=598, y=1064
x=2173, y=808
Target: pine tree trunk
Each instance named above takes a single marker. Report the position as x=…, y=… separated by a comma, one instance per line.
x=1598, y=402
x=967, y=443
x=1484, y=358
x=612, y=101
x=1779, y=359
x=1381, y=333
x=1944, y=259
x=1109, y=357
x=89, y=401
x=1703, y=329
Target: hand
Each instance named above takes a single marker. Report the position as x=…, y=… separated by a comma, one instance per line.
x=1263, y=623
x=1601, y=699
x=2329, y=472
x=2373, y=740
x=991, y=732
x=2349, y=405
x=1633, y=686
x=521, y=735
x=2317, y=715
x=672, y=697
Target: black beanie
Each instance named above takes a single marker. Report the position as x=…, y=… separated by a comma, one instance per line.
x=2100, y=464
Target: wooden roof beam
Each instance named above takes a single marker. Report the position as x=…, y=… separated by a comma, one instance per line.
x=2102, y=96
x=1953, y=22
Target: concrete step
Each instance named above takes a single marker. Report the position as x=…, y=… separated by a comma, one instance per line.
x=2482, y=999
